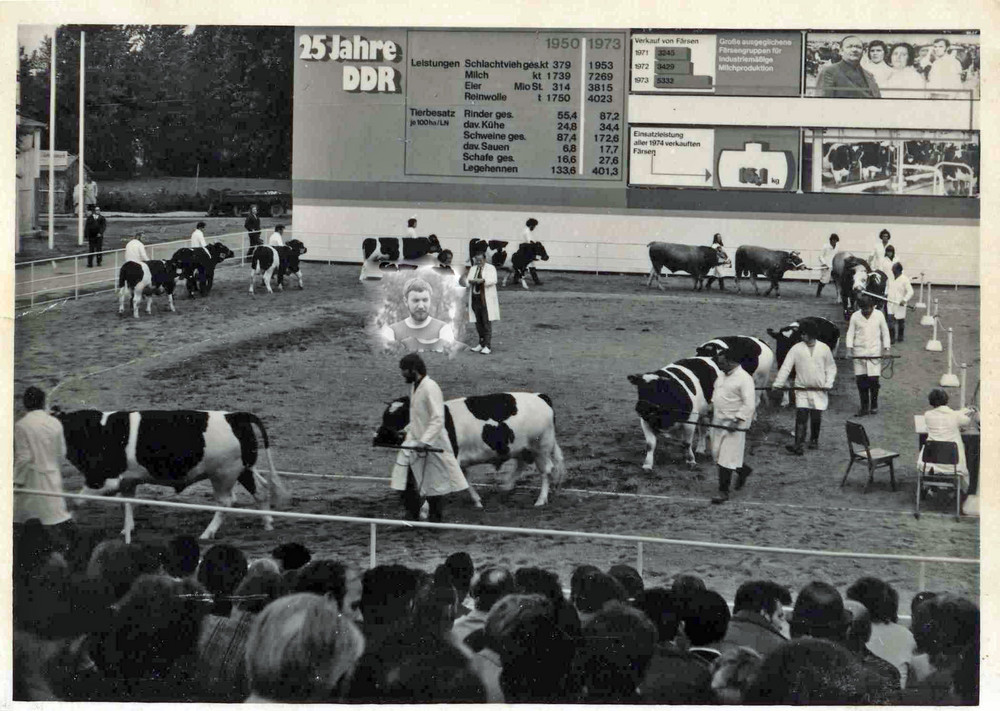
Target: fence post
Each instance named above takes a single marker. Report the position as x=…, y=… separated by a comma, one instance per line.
x=371, y=549
x=920, y=299
x=76, y=277
x=949, y=379
x=922, y=578
x=638, y=558
x=927, y=319
x=962, y=386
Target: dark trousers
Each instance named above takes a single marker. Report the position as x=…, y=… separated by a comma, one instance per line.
x=255, y=239
x=483, y=325
x=868, y=387
x=897, y=328
x=804, y=416
x=95, y=244
x=412, y=501
x=725, y=478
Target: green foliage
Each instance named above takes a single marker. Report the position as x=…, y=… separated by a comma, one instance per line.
x=152, y=201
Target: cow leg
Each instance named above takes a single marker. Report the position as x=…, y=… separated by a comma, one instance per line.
x=251, y=479
x=223, y=499
x=149, y=304
x=127, y=488
x=753, y=281
x=136, y=300
x=267, y=280
x=121, y=299
x=253, y=279
x=474, y=495
x=770, y=288
x=690, y=430
x=545, y=465
x=170, y=302
x=650, y=436
x=299, y=275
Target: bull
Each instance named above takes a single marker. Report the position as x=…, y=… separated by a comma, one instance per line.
x=771, y=263
x=138, y=279
x=523, y=260
x=277, y=261
x=492, y=429
x=857, y=277
x=198, y=265
x=695, y=260
x=757, y=357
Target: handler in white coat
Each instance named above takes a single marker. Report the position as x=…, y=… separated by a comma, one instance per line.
x=135, y=250
x=198, y=238
x=484, y=307
x=733, y=405
x=826, y=263
x=868, y=336
x=899, y=293
x=429, y=475
x=277, y=238
x=815, y=372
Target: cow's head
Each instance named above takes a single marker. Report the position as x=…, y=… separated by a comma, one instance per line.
x=859, y=278
x=709, y=349
x=784, y=339
x=794, y=261
x=220, y=252
x=662, y=401
x=174, y=268
x=395, y=418
x=84, y=437
x=296, y=246
x=435, y=245
x=539, y=250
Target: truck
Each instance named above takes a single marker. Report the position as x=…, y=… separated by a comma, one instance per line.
x=237, y=202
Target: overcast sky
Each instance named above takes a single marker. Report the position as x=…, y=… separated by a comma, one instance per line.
x=30, y=36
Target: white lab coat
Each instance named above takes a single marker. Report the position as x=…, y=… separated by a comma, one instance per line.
x=826, y=263
x=899, y=292
x=135, y=251
x=868, y=337
x=943, y=425
x=198, y=239
x=877, y=254
x=814, y=368
x=39, y=445
x=733, y=406
x=490, y=292
x=437, y=473
x=275, y=240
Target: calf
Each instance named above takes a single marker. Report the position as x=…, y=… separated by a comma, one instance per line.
x=277, y=261
x=117, y=451
x=772, y=263
x=522, y=261
x=789, y=335
x=695, y=260
x=757, y=360
x=198, y=266
x=676, y=399
x=491, y=429
x=138, y=279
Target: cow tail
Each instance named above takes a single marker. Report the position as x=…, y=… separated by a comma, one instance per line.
x=276, y=491
x=558, y=462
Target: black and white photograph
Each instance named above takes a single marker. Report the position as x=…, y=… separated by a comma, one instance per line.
x=387, y=356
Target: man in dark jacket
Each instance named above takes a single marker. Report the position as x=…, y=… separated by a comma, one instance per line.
x=758, y=618
x=673, y=676
x=252, y=226
x=846, y=79
x=94, y=230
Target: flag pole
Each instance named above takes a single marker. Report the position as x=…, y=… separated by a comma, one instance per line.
x=80, y=205
x=52, y=141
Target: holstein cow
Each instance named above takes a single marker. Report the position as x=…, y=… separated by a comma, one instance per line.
x=874, y=157
x=772, y=263
x=278, y=261
x=695, y=260
x=676, y=399
x=523, y=260
x=789, y=335
x=392, y=253
x=117, y=451
x=856, y=278
x=837, y=269
x=757, y=360
x=838, y=161
x=138, y=279
x=491, y=429
x=494, y=249
x=198, y=267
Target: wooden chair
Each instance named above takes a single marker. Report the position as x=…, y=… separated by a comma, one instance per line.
x=942, y=454
x=872, y=456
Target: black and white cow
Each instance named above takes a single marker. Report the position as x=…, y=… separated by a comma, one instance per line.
x=676, y=399
x=789, y=335
x=394, y=253
x=523, y=260
x=138, y=279
x=838, y=161
x=874, y=157
x=494, y=249
x=772, y=263
x=491, y=429
x=198, y=266
x=268, y=261
x=857, y=277
x=695, y=260
x=757, y=360
x=117, y=451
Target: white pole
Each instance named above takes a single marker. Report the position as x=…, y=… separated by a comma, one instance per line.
x=934, y=344
x=927, y=319
x=79, y=212
x=52, y=142
x=949, y=379
x=372, y=558
x=920, y=299
x=962, y=391
x=638, y=558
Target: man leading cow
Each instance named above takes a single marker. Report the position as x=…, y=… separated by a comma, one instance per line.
x=815, y=372
x=733, y=403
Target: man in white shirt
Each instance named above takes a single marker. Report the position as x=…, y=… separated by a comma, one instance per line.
x=899, y=293
x=946, y=71
x=135, y=250
x=39, y=446
x=878, y=249
x=867, y=341
x=733, y=404
x=826, y=263
x=277, y=237
x=198, y=238
x=815, y=372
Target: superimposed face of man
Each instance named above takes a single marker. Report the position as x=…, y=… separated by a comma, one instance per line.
x=419, y=304
x=851, y=49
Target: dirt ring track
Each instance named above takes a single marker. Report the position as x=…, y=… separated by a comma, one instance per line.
x=301, y=360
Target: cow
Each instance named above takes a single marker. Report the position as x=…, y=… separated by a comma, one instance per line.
x=838, y=161
x=492, y=429
x=387, y=253
x=874, y=158
x=138, y=279
x=117, y=451
x=772, y=263
x=837, y=269
x=854, y=279
x=757, y=360
x=676, y=399
x=494, y=249
x=381, y=249
x=198, y=265
x=789, y=335
x=696, y=261
x=278, y=261
x=522, y=262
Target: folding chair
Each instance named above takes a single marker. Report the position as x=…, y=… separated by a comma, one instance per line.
x=872, y=456
x=942, y=454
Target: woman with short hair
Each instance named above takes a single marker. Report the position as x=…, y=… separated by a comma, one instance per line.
x=944, y=425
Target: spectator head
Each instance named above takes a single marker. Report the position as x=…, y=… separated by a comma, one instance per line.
x=259, y=588
x=115, y=562
x=941, y=45
x=717, y=239
x=579, y=574
x=387, y=592
x=859, y=631
x=878, y=596
x=890, y=252
x=260, y=565
x=919, y=598
x=280, y=229
x=412, y=222
x=819, y=612
x=531, y=223
x=660, y=606
x=943, y=626
x=902, y=55
x=222, y=569
x=439, y=674
x=461, y=569
x=938, y=397
x=852, y=48
x=538, y=581
x=705, y=616
x=808, y=330
x=884, y=235
x=618, y=643
x=809, y=671
x=300, y=649
x=183, y=554
x=490, y=585
x=34, y=398
x=292, y=556
x=733, y=672
x=323, y=577
x=765, y=598
x=629, y=578
x=683, y=583
x=597, y=589
x=535, y=651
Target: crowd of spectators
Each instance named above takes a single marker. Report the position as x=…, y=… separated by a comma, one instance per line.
x=107, y=621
